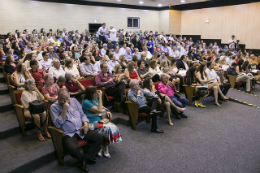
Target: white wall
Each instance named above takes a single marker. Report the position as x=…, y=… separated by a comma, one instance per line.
x=26, y=14
x=164, y=21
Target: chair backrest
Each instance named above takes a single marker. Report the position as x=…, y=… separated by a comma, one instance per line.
x=126, y=93
x=17, y=96
x=9, y=80
x=40, y=87
x=87, y=82
x=184, y=80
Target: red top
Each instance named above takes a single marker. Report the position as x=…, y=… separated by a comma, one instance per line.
x=133, y=75
x=38, y=76
x=71, y=86
x=52, y=92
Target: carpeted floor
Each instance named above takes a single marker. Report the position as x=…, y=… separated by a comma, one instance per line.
x=211, y=140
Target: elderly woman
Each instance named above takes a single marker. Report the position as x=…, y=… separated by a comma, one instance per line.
x=30, y=94
x=148, y=53
x=50, y=89
x=74, y=87
x=20, y=76
x=93, y=107
x=70, y=67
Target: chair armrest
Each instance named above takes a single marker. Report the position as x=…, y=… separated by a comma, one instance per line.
x=189, y=86
x=11, y=86
x=56, y=136
x=53, y=129
x=19, y=106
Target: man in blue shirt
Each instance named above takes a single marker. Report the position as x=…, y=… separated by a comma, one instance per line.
x=67, y=115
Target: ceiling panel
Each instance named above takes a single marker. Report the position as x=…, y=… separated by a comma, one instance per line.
x=151, y=3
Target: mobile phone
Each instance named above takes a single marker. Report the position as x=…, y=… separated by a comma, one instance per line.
x=81, y=132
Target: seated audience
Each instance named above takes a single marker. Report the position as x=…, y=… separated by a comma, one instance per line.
x=224, y=87
x=173, y=78
x=131, y=72
x=36, y=72
x=205, y=81
x=241, y=77
x=87, y=68
x=9, y=66
x=137, y=53
x=137, y=95
x=122, y=61
x=148, y=54
x=166, y=101
x=70, y=67
x=155, y=71
x=56, y=70
x=128, y=54
x=112, y=63
x=52, y=54
x=182, y=64
x=93, y=107
x=146, y=61
x=31, y=94
x=120, y=76
x=46, y=62
x=105, y=79
x=67, y=115
x=166, y=88
x=75, y=88
x=20, y=76
x=164, y=58
x=142, y=71
x=97, y=64
x=50, y=89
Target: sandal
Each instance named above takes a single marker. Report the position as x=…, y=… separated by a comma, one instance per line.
x=201, y=105
x=169, y=122
x=106, y=152
x=217, y=104
x=47, y=135
x=40, y=137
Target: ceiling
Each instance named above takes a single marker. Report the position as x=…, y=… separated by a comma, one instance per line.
x=151, y=3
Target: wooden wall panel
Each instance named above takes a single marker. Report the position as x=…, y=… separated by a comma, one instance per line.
x=174, y=22
x=241, y=20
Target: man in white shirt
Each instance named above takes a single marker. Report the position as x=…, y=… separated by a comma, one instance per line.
x=137, y=53
x=232, y=41
x=46, y=62
x=112, y=34
x=128, y=54
x=122, y=50
x=104, y=49
x=116, y=52
x=178, y=53
x=185, y=51
x=224, y=87
x=56, y=71
x=112, y=63
x=64, y=32
x=102, y=29
x=97, y=64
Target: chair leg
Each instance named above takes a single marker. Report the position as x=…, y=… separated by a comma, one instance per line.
x=60, y=157
x=238, y=86
x=148, y=119
x=189, y=94
x=21, y=120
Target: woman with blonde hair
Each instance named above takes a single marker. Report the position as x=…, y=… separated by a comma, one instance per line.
x=20, y=76
x=122, y=61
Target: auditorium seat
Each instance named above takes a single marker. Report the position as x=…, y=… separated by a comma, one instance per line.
x=233, y=83
x=11, y=88
x=134, y=112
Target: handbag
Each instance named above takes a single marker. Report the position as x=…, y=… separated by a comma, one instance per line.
x=36, y=107
x=104, y=121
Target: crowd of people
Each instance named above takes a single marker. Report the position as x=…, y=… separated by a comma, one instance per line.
x=117, y=60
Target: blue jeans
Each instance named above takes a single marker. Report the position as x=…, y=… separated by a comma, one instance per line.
x=180, y=102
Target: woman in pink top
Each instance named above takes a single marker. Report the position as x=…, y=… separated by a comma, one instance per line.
x=165, y=87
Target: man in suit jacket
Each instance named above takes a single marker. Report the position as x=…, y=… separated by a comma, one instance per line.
x=182, y=64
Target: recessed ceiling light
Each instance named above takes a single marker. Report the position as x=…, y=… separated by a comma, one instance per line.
x=118, y=0
x=159, y=5
x=182, y=1
x=141, y=2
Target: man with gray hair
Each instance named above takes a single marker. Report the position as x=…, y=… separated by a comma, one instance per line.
x=104, y=49
x=86, y=68
x=128, y=54
x=67, y=115
x=56, y=70
x=98, y=63
x=137, y=95
x=52, y=54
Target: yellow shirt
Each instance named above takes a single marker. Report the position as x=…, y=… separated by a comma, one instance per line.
x=56, y=43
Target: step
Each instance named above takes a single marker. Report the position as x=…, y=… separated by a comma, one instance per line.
x=3, y=89
x=5, y=103
x=23, y=152
x=2, y=79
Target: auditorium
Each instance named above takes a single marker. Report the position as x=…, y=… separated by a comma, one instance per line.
x=118, y=86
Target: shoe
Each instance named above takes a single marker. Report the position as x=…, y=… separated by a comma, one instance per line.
x=201, y=105
x=177, y=116
x=82, y=166
x=183, y=116
x=100, y=152
x=91, y=162
x=221, y=99
x=217, y=104
x=106, y=152
x=248, y=92
x=157, y=130
x=196, y=103
x=169, y=122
